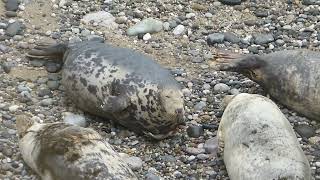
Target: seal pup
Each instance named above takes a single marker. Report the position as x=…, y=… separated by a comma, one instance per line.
x=291, y=77
x=61, y=151
x=119, y=84
x=258, y=141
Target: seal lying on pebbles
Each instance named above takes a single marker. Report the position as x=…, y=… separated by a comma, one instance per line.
x=60, y=151
x=292, y=77
x=120, y=84
x=258, y=141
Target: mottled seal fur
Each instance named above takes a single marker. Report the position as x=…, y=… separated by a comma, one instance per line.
x=60, y=151
x=258, y=141
x=120, y=84
x=291, y=77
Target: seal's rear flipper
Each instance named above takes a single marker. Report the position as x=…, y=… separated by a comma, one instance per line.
x=48, y=51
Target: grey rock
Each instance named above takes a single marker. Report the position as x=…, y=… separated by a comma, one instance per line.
x=195, y=151
x=20, y=88
x=280, y=42
x=44, y=92
x=52, y=67
x=4, y=49
x=231, y=2
x=211, y=145
x=11, y=14
x=261, y=13
x=202, y=156
x=231, y=37
x=151, y=176
x=135, y=163
x=200, y=106
x=195, y=131
x=173, y=24
x=179, y=30
x=234, y=91
x=261, y=39
x=305, y=131
x=168, y=158
x=148, y=25
x=15, y=28
x=74, y=119
x=12, y=5
x=37, y=62
x=46, y=102
x=53, y=85
x=215, y=38
x=206, y=86
x=166, y=26
x=221, y=87
x=7, y=66
x=25, y=96
x=3, y=25
x=100, y=18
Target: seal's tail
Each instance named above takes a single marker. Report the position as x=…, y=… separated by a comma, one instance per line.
x=48, y=51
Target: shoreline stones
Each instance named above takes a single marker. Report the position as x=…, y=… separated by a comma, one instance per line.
x=254, y=129
x=148, y=25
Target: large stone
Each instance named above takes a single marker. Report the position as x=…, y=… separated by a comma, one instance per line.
x=100, y=18
x=15, y=28
x=12, y=5
x=148, y=25
x=261, y=39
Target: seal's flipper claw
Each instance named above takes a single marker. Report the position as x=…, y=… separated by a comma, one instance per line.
x=48, y=51
x=225, y=61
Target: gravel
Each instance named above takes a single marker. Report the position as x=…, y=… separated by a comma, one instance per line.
x=182, y=36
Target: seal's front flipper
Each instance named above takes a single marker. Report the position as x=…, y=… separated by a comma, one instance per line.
x=114, y=104
x=48, y=51
x=225, y=61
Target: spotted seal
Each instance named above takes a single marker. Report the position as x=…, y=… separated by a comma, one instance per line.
x=291, y=77
x=61, y=151
x=258, y=141
x=120, y=84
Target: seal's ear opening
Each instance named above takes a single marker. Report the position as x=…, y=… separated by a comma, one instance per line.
x=23, y=123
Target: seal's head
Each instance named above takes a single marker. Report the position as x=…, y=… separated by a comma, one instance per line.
x=173, y=104
x=172, y=112
x=248, y=65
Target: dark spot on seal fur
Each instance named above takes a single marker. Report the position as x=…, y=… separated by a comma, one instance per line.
x=83, y=81
x=92, y=89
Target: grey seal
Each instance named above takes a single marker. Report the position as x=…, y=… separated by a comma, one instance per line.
x=258, y=141
x=119, y=84
x=61, y=151
x=291, y=77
